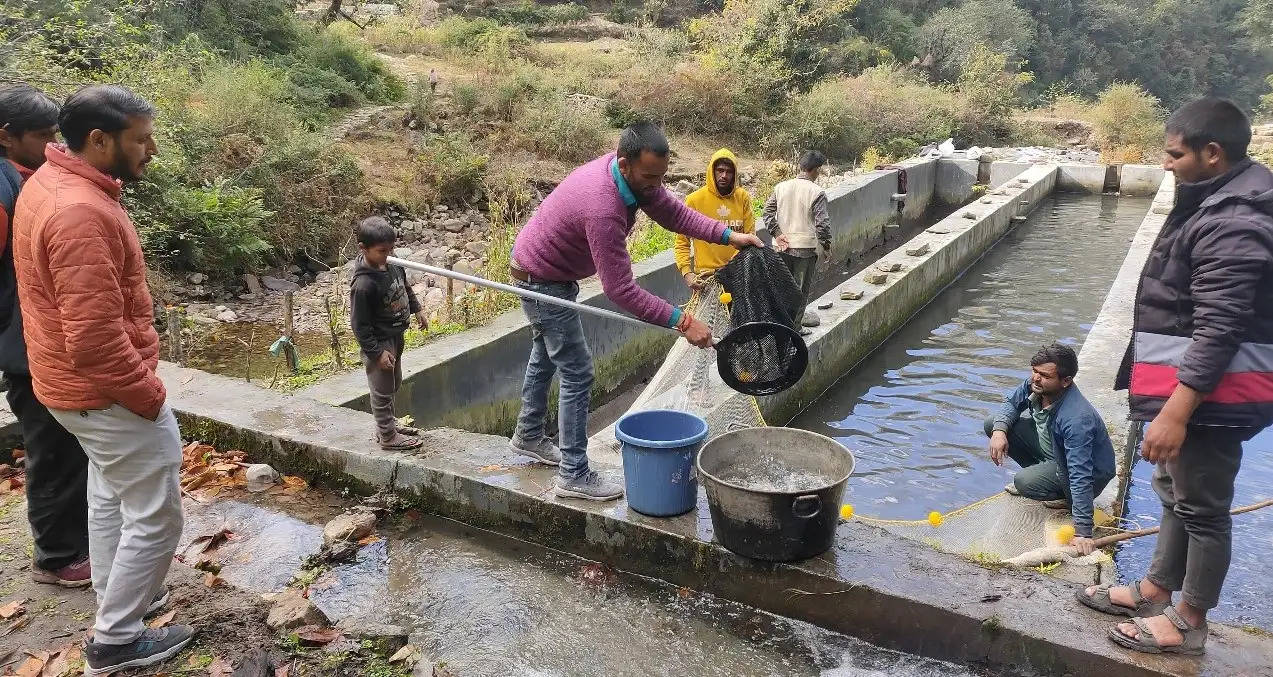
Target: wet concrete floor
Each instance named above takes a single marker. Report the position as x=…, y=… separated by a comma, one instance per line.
x=486, y=604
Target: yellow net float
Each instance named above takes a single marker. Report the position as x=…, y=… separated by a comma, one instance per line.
x=726, y=298
x=846, y=512
x=935, y=518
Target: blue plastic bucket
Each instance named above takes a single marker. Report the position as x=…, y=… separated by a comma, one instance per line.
x=658, y=460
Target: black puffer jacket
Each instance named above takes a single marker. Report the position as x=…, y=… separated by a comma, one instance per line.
x=1204, y=306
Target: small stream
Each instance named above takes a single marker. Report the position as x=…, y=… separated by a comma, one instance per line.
x=490, y=605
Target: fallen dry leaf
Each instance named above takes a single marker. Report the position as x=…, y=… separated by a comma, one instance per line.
x=5, y=486
x=368, y=540
x=163, y=620
x=12, y=609
x=33, y=665
x=19, y=453
x=294, y=481
x=683, y=593
x=211, y=541
x=63, y=662
x=211, y=580
x=220, y=667
x=491, y=468
x=312, y=635
x=16, y=625
x=225, y=467
x=281, y=671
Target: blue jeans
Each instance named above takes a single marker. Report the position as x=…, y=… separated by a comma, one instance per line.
x=557, y=346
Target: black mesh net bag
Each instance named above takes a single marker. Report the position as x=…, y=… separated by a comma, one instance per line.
x=764, y=353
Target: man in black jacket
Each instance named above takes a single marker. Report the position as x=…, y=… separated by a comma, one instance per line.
x=56, y=467
x=1199, y=369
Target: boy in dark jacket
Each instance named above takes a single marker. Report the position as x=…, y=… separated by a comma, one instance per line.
x=1199, y=369
x=57, y=469
x=381, y=304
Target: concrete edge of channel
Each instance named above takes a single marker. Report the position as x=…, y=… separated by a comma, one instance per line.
x=883, y=588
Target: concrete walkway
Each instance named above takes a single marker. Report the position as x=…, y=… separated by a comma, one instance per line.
x=888, y=590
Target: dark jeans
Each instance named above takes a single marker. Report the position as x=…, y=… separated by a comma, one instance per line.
x=804, y=269
x=1195, y=541
x=557, y=346
x=57, y=480
x=1040, y=476
x=383, y=385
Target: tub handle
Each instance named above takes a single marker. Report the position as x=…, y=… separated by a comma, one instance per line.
x=806, y=506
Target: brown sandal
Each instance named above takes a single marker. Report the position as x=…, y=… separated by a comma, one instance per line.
x=1194, y=637
x=402, y=444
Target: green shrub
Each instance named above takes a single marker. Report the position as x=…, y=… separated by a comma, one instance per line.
x=1128, y=123
x=882, y=106
x=465, y=98
x=315, y=189
x=562, y=131
x=244, y=98
x=216, y=228
x=448, y=169
x=478, y=36
x=317, y=91
x=990, y=94
x=357, y=64
x=527, y=13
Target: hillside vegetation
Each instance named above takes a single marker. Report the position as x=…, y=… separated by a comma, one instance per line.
x=249, y=176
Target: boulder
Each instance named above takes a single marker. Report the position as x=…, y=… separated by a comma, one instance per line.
x=261, y=476
x=291, y=611
x=227, y=316
x=919, y=250
x=476, y=248
x=453, y=225
x=876, y=278
x=810, y=319
x=850, y=295
x=349, y=527
x=888, y=266
x=279, y=284
x=464, y=266
x=402, y=252
x=385, y=639
x=436, y=298
x=197, y=278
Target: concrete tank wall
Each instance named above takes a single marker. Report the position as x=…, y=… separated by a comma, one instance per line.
x=472, y=380
x=852, y=329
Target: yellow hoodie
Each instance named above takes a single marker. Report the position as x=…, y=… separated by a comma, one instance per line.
x=733, y=210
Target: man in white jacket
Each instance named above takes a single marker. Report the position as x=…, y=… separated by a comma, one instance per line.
x=797, y=218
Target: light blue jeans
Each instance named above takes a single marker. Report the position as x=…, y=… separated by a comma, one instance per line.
x=557, y=347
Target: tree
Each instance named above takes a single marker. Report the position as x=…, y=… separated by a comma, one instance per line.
x=951, y=35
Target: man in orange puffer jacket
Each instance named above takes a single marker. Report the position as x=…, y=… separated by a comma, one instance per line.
x=91, y=344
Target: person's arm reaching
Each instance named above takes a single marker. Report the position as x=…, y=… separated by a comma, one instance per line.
x=1004, y=420
x=668, y=212
x=83, y=257
x=769, y=216
x=609, y=248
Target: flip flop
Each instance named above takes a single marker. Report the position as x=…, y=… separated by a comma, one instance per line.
x=1194, y=644
x=1100, y=601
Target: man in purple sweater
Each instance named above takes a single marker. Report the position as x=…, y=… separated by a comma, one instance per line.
x=581, y=229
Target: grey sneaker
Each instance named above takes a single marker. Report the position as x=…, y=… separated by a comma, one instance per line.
x=155, y=645
x=590, y=486
x=1012, y=489
x=158, y=603
x=1057, y=504
x=542, y=450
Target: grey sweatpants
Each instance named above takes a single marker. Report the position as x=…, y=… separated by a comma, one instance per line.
x=1195, y=541
x=134, y=510
x=384, y=384
x=805, y=270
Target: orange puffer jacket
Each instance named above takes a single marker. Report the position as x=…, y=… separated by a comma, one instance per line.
x=86, y=309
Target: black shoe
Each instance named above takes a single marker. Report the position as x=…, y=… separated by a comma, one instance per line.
x=155, y=645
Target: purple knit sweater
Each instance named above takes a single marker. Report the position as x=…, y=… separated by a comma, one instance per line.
x=582, y=228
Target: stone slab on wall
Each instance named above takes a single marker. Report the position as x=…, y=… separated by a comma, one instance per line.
x=1081, y=178
x=1141, y=180
x=955, y=180
x=1003, y=172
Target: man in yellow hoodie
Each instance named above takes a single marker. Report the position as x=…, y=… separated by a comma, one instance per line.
x=726, y=201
